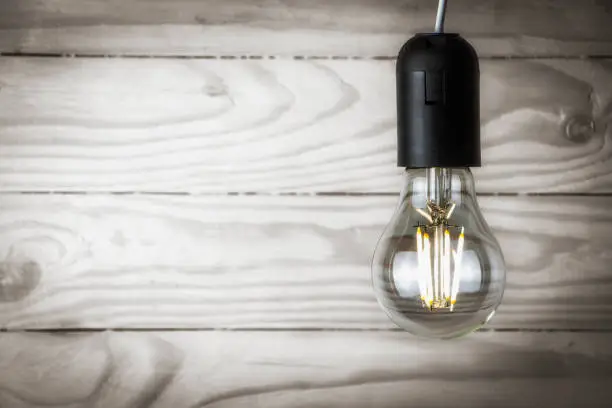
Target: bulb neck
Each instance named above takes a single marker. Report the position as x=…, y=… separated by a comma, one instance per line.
x=437, y=185
x=438, y=102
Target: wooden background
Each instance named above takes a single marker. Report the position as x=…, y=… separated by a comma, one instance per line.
x=190, y=192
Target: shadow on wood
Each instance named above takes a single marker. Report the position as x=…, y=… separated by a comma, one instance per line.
x=315, y=27
x=352, y=369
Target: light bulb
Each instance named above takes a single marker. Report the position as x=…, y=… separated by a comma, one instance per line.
x=438, y=271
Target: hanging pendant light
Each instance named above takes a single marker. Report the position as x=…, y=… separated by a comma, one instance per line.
x=438, y=271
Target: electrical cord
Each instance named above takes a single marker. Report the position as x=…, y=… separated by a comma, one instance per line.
x=441, y=16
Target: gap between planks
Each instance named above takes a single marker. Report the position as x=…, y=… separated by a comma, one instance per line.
x=287, y=194
x=285, y=57
x=284, y=330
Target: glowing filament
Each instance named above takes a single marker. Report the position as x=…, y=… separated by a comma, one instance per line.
x=457, y=275
x=421, y=262
x=447, y=265
x=439, y=265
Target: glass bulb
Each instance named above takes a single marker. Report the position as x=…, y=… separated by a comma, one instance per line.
x=438, y=271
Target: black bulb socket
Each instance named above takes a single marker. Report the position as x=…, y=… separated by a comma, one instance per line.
x=438, y=102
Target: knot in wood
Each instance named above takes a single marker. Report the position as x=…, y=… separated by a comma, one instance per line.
x=579, y=128
x=18, y=279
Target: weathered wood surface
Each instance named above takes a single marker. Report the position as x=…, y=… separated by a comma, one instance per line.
x=78, y=261
x=268, y=126
x=259, y=123
x=302, y=369
x=289, y=27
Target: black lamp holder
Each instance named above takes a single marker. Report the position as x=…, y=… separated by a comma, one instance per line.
x=438, y=101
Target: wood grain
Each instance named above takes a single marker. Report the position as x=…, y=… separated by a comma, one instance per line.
x=218, y=126
x=319, y=369
x=298, y=27
x=82, y=261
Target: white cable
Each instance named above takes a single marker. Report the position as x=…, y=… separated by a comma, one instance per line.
x=441, y=15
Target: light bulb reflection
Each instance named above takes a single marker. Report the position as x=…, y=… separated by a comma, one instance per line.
x=467, y=280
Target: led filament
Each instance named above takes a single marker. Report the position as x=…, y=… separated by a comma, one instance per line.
x=439, y=265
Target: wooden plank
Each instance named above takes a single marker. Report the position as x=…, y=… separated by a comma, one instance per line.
x=78, y=261
x=283, y=126
x=315, y=27
x=323, y=369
